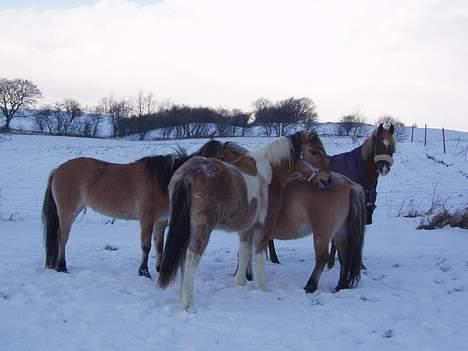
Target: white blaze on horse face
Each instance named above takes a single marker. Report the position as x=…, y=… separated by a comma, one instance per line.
x=386, y=142
x=384, y=170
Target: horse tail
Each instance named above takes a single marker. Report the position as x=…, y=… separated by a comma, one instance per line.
x=50, y=224
x=178, y=236
x=355, y=225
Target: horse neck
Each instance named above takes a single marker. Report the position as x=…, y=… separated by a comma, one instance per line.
x=281, y=172
x=367, y=154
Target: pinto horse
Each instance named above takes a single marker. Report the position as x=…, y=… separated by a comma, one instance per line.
x=363, y=165
x=136, y=190
x=245, y=196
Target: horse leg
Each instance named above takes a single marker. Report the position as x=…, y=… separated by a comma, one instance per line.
x=272, y=251
x=331, y=259
x=340, y=244
x=66, y=219
x=244, y=258
x=63, y=235
x=321, y=258
x=158, y=237
x=198, y=242
x=260, y=258
x=146, y=231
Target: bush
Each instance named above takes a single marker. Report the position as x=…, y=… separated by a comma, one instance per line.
x=443, y=218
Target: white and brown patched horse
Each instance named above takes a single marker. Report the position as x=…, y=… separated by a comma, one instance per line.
x=363, y=165
x=330, y=208
x=245, y=196
x=136, y=190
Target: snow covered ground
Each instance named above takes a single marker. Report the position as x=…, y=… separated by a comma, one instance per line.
x=413, y=296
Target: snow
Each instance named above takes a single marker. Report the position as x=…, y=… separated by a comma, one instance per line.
x=412, y=297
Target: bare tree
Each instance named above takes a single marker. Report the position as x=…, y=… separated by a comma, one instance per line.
x=116, y=110
x=61, y=119
x=71, y=111
x=353, y=124
x=279, y=117
x=16, y=94
x=150, y=103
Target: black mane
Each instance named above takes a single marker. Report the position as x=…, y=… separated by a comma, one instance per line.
x=163, y=167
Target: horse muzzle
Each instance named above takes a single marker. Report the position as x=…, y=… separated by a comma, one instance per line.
x=383, y=163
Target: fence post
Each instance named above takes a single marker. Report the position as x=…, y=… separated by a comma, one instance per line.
x=425, y=134
x=443, y=137
x=412, y=132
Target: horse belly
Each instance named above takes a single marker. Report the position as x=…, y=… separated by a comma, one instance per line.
x=120, y=211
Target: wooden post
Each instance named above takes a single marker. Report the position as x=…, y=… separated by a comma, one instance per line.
x=443, y=137
x=412, y=132
x=425, y=134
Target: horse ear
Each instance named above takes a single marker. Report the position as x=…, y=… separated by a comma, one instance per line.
x=391, y=129
x=380, y=129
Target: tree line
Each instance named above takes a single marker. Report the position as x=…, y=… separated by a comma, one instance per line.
x=143, y=114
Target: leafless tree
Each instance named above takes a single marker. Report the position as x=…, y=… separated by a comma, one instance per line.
x=62, y=118
x=16, y=94
x=353, y=124
x=280, y=116
x=116, y=110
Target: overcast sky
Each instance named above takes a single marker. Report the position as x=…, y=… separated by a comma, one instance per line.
x=404, y=58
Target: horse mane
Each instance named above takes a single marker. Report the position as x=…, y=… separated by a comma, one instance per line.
x=276, y=151
x=162, y=167
x=368, y=146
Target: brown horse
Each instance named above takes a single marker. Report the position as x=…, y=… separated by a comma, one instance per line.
x=363, y=165
x=136, y=190
x=244, y=196
x=313, y=204
x=336, y=212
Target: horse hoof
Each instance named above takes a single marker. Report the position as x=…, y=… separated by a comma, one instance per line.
x=142, y=272
x=330, y=265
x=61, y=267
x=249, y=276
x=309, y=289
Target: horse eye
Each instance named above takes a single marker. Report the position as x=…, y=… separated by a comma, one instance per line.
x=313, y=152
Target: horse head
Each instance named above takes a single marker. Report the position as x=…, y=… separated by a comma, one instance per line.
x=313, y=153
x=384, y=148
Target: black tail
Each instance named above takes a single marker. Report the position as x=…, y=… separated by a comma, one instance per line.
x=355, y=225
x=50, y=224
x=178, y=236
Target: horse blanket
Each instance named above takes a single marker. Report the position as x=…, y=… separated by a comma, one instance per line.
x=351, y=165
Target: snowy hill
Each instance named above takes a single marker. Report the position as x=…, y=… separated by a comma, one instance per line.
x=412, y=296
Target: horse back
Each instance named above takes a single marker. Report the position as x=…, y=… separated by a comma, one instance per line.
x=220, y=193
x=117, y=190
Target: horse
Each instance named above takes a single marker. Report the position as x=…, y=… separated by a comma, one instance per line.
x=134, y=191
x=363, y=165
x=245, y=197
x=328, y=207
x=336, y=212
